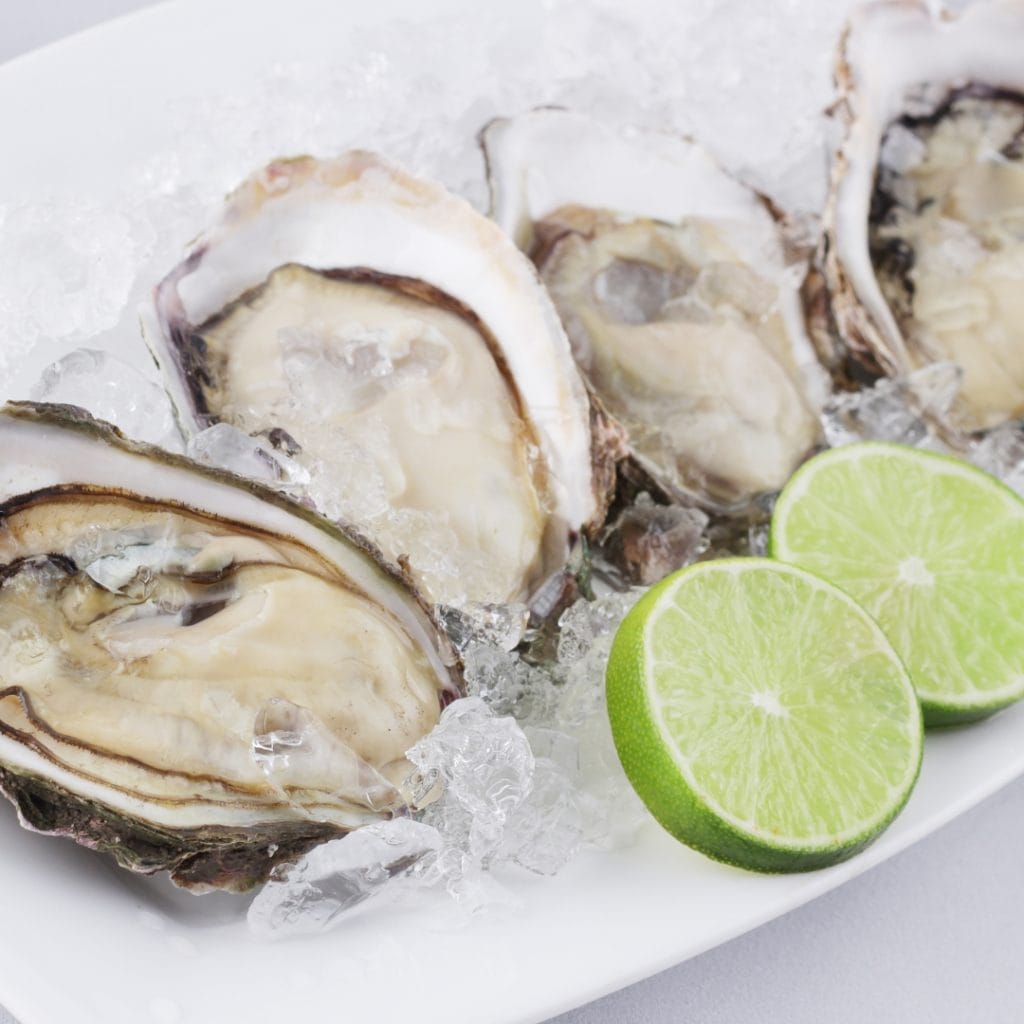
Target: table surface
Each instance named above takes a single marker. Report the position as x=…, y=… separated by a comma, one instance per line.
x=935, y=934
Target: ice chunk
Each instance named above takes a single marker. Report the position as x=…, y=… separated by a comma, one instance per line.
x=226, y=447
x=1001, y=453
x=546, y=831
x=611, y=811
x=649, y=541
x=113, y=391
x=485, y=763
x=486, y=768
x=757, y=539
x=495, y=792
x=500, y=625
x=431, y=546
x=897, y=409
x=491, y=810
x=507, y=684
x=333, y=878
x=582, y=794
x=353, y=487
x=586, y=622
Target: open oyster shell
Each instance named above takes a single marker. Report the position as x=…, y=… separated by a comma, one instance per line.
x=672, y=282
x=924, y=227
x=195, y=674
x=408, y=355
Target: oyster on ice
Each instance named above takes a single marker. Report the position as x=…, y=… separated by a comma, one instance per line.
x=672, y=283
x=924, y=227
x=405, y=352
x=160, y=696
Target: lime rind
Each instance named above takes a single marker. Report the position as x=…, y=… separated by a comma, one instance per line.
x=954, y=605
x=665, y=777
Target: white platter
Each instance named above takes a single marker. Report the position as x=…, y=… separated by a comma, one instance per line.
x=83, y=941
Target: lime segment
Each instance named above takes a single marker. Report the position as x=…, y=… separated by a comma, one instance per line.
x=761, y=715
x=933, y=548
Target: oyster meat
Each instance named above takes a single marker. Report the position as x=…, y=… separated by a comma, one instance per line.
x=410, y=360
x=671, y=280
x=925, y=220
x=195, y=675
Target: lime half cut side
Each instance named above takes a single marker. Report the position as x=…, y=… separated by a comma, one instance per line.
x=762, y=715
x=933, y=548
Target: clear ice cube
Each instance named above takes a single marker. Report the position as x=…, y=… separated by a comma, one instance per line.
x=546, y=831
x=1001, y=453
x=893, y=409
x=114, y=391
x=579, y=792
x=484, y=760
x=334, y=878
x=500, y=625
x=586, y=622
x=757, y=540
x=226, y=447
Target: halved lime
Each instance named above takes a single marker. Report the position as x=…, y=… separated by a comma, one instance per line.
x=933, y=548
x=762, y=715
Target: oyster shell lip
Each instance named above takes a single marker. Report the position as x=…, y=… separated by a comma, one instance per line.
x=652, y=175
x=361, y=217
x=71, y=420
x=552, y=160
x=209, y=830
x=888, y=52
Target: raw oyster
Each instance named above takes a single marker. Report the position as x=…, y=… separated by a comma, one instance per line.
x=403, y=348
x=672, y=283
x=195, y=675
x=924, y=256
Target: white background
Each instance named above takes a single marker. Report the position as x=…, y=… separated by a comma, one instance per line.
x=934, y=935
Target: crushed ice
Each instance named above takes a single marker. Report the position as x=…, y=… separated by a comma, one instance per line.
x=73, y=268
x=527, y=759
x=226, y=447
x=523, y=771
x=335, y=877
x=900, y=409
x=1001, y=453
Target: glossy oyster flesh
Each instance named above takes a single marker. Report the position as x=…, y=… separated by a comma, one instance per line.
x=408, y=356
x=673, y=285
x=195, y=675
x=925, y=222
